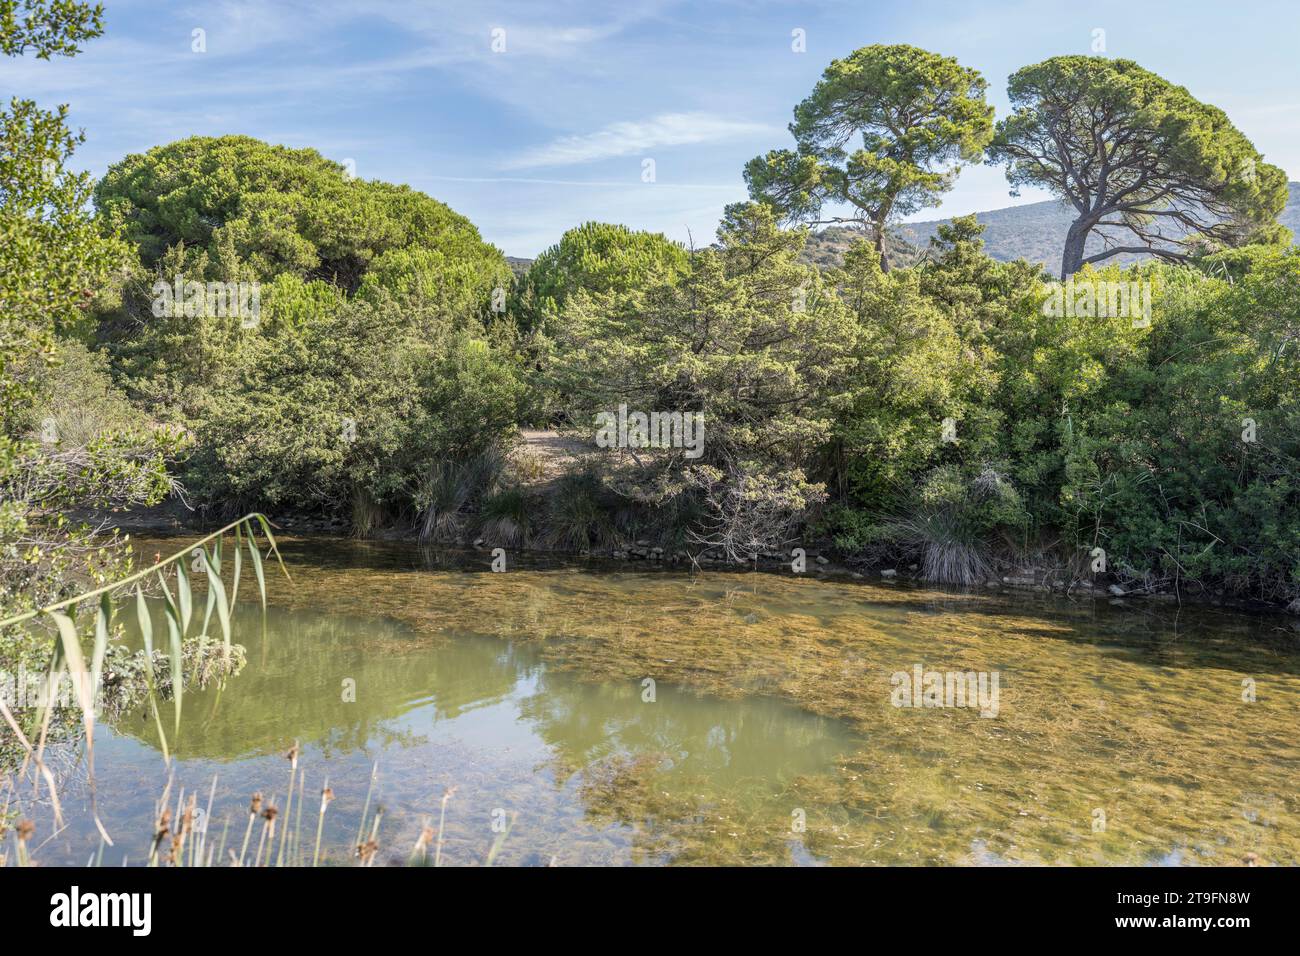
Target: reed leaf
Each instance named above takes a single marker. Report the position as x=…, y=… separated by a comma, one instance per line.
x=103, y=625
x=146, y=631
x=178, y=661
x=256, y=557
x=218, y=590
x=76, y=666
x=145, y=622
x=212, y=599
x=266, y=530
x=43, y=712
x=184, y=597
x=238, y=553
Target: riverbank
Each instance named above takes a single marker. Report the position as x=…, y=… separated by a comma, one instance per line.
x=820, y=559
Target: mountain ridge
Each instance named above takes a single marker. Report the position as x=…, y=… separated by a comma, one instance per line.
x=1033, y=231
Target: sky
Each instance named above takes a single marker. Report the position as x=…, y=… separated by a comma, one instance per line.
x=533, y=117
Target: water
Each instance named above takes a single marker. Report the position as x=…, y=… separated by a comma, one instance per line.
x=631, y=715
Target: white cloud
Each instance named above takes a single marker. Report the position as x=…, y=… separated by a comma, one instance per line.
x=635, y=137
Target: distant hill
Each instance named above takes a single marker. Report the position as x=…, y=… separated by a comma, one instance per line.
x=1035, y=232
x=825, y=249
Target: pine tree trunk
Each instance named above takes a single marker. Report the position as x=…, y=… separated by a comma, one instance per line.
x=1072, y=258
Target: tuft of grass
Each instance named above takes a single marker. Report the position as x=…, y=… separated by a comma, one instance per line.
x=952, y=521
x=577, y=518
x=446, y=494
x=367, y=514
x=506, y=517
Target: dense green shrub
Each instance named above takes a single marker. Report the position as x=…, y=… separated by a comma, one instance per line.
x=370, y=353
x=1112, y=432
x=351, y=401
x=748, y=338
x=277, y=210
x=1168, y=472
x=596, y=257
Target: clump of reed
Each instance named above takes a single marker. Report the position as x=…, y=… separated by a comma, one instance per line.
x=506, y=517
x=183, y=834
x=578, y=517
x=446, y=494
x=174, y=577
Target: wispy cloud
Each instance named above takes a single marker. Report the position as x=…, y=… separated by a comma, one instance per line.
x=584, y=183
x=416, y=92
x=633, y=137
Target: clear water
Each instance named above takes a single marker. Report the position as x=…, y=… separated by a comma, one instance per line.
x=768, y=733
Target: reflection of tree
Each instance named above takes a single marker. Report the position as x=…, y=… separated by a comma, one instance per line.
x=293, y=686
x=746, y=739
x=682, y=769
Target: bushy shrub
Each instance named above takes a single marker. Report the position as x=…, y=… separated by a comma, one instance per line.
x=353, y=401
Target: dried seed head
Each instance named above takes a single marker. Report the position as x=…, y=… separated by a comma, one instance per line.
x=326, y=797
x=425, y=838
x=367, y=850
x=269, y=814
x=25, y=830
x=256, y=804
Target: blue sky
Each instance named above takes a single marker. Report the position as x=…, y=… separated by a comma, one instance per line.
x=553, y=131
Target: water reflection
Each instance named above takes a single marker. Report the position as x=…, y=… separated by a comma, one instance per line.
x=475, y=713
x=527, y=692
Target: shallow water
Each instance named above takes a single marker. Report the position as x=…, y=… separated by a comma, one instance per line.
x=632, y=715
